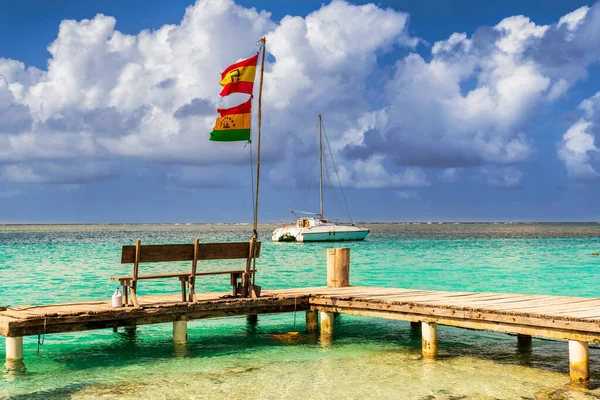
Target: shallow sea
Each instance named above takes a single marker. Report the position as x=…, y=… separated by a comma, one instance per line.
x=369, y=359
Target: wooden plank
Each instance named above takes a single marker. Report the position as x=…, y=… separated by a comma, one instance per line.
x=185, y=252
x=550, y=306
x=536, y=304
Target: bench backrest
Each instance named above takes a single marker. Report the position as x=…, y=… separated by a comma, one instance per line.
x=185, y=252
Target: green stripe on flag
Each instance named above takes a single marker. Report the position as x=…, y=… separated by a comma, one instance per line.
x=230, y=135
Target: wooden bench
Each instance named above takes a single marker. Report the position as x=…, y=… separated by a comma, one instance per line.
x=189, y=252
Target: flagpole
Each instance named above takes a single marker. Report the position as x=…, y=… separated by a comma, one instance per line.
x=262, y=71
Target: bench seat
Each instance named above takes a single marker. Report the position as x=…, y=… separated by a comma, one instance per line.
x=176, y=275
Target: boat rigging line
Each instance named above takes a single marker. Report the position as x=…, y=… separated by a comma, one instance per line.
x=347, y=209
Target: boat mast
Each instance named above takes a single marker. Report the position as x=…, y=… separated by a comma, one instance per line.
x=320, y=169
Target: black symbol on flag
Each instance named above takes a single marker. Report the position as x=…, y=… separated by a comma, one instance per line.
x=227, y=123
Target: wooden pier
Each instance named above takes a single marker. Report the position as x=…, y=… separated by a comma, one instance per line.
x=574, y=319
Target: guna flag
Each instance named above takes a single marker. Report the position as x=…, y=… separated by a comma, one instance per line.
x=233, y=123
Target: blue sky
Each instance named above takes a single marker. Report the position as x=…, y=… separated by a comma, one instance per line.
x=436, y=110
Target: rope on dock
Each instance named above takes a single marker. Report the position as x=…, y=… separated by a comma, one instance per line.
x=43, y=337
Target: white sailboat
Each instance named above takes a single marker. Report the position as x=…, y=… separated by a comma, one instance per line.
x=317, y=228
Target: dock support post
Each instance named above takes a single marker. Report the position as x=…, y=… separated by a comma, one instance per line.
x=429, y=340
x=338, y=267
x=326, y=337
x=130, y=330
x=327, y=319
x=252, y=319
x=14, y=355
x=523, y=340
x=312, y=321
x=14, y=348
x=579, y=362
x=180, y=332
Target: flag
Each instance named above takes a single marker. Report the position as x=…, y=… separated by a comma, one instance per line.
x=233, y=123
x=239, y=77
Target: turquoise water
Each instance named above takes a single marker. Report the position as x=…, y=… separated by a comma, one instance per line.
x=370, y=358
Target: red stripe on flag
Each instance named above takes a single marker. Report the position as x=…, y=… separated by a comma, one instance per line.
x=244, y=63
x=237, y=87
x=243, y=108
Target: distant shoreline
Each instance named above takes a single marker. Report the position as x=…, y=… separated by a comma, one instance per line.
x=279, y=222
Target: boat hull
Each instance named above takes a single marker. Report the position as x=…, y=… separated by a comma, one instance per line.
x=334, y=236
x=319, y=234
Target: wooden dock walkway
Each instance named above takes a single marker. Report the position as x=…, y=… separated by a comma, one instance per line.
x=575, y=319
x=557, y=317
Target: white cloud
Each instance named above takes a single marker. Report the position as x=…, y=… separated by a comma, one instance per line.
x=516, y=31
x=108, y=98
x=58, y=173
x=502, y=177
x=407, y=194
x=471, y=103
x=572, y=19
x=578, y=149
x=371, y=174
x=450, y=175
x=106, y=94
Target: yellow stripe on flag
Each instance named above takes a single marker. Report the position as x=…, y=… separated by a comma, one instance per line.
x=241, y=74
x=233, y=122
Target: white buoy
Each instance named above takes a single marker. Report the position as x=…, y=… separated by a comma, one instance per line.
x=117, y=299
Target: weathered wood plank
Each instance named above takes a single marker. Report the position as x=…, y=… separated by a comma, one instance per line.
x=185, y=252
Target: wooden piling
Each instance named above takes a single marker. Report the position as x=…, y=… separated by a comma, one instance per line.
x=338, y=267
x=130, y=330
x=312, y=321
x=429, y=340
x=327, y=319
x=579, y=362
x=523, y=340
x=180, y=332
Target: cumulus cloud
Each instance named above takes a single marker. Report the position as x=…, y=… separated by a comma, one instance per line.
x=578, y=149
x=107, y=98
x=153, y=95
x=470, y=104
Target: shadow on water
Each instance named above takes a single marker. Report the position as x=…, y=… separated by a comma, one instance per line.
x=151, y=346
x=60, y=393
x=241, y=340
